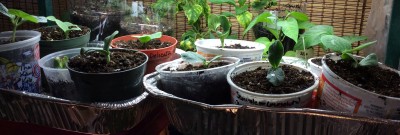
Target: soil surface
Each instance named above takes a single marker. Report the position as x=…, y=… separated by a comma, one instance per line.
x=256, y=81
x=95, y=62
x=317, y=61
x=55, y=33
x=236, y=46
x=135, y=44
x=374, y=79
x=200, y=67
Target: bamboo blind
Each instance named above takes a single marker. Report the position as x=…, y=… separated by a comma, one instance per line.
x=348, y=17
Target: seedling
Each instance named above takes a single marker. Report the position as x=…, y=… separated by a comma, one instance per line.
x=146, y=38
x=106, y=48
x=60, y=62
x=66, y=27
x=192, y=57
x=214, y=24
x=275, y=74
x=17, y=18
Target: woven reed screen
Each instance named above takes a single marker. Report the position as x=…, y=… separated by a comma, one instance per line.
x=347, y=16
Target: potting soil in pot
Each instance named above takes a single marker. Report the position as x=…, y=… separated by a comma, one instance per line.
x=190, y=67
x=236, y=46
x=374, y=79
x=317, y=61
x=55, y=33
x=135, y=44
x=256, y=81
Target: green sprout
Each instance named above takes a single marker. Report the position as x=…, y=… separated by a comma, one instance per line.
x=214, y=24
x=192, y=57
x=61, y=62
x=17, y=18
x=146, y=38
x=275, y=74
x=66, y=27
x=106, y=47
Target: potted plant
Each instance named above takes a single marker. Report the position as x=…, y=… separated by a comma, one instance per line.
x=355, y=84
x=19, y=54
x=197, y=78
x=108, y=75
x=62, y=37
x=160, y=48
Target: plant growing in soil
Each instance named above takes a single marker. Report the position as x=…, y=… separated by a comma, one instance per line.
x=275, y=74
x=17, y=17
x=66, y=27
x=146, y=38
x=214, y=24
x=106, y=47
x=192, y=57
x=61, y=62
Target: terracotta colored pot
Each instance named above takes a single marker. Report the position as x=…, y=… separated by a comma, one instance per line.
x=156, y=56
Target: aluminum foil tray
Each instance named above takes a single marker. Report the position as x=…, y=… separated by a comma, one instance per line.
x=93, y=118
x=195, y=118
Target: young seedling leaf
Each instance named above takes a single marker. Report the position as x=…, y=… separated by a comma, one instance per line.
x=146, y=38
x=60, y=62
x=66, y=27
x=349, y=56
x=23, y=15
x=365, y=45
x=313, y=35
x=230, y=2
x=260, y=18
x=335, y=43
x=207, y=63
x=214, y=22
x=299, y=16
x=4, y=10
x=353, y=39
x=192, y=12
x=290, y=28
x=370, y=60
x=276, y=76
x=244, y=18
x=192, y=57
x=275, y=53
x=107, y=42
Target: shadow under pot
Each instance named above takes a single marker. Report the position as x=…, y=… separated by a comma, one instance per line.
x=99, y=81
x=204, y=85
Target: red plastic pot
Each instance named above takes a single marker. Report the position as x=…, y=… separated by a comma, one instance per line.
x=156, y=56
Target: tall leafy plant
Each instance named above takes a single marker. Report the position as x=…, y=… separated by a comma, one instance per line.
x=17, y=17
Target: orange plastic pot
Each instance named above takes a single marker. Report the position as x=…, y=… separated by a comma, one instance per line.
x=156, y=56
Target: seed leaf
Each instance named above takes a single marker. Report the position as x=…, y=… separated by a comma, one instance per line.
x=192, y=57
x=370, y=60
x=276, y=76
x=4, y=10
x=107, y=41
x=23, y=15
x=275, y=53
x=146, y=38
x=365, y=45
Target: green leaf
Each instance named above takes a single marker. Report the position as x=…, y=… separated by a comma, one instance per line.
x=214, y=22
x=265, y=41
x=275, y=53
x=4, y=10
x=192, y=12
x=64, y=26
x=260, y=4
x=290, y=28
x=192, y=58
x=189, y=34
x=335, y=43
x=260, y=18
x=23, y=15
x=228, y=14
x=313, y=35
x=231, y=2
x=365, y=45
x=108, y=39
x=214, y=59
x=60, y=62
x=241, y=10
x=241, y=2
x=353, y=39
x=276, y=76
x=244, y=19
x=370, y=60
x=274, y=32
x=290, y=54
x=206, y=7
x=226, y=27
x=299, y=16
x=305, y=25
x=300, y=44
x=147, y=38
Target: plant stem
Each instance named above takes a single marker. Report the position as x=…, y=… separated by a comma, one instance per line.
x=14, y=33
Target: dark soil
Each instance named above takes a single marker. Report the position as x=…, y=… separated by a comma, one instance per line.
x=256, y=81
x=374, y=79
x=135, y=44
x=317, y=61
x=95, y=62
x=55, y=33
x=236, y=46
x=63, y=89
x=3, y=42
x=200, y=67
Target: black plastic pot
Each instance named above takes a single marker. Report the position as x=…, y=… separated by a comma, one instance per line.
x=109, y=87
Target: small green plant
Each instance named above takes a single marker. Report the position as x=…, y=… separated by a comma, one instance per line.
x=146, y=38
x=192, y=57
x=66, y=27
x=275, y=74
x=17, y=18
x=60, y=62
x=214, y=24
x=106, y=47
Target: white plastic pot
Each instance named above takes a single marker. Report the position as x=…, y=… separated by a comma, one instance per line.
x=244, y=97
x=19, y=69
x=337, y=94
x=206, y=86
x=314, y=67
x=208, y=48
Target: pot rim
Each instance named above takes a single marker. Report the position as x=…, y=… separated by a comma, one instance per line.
x=145, y=50
x=87, y=34
x=359, y=89
x=159, y=67
x=258, y=46
x=141, y=65
x=302, y=92
x=23, y=43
